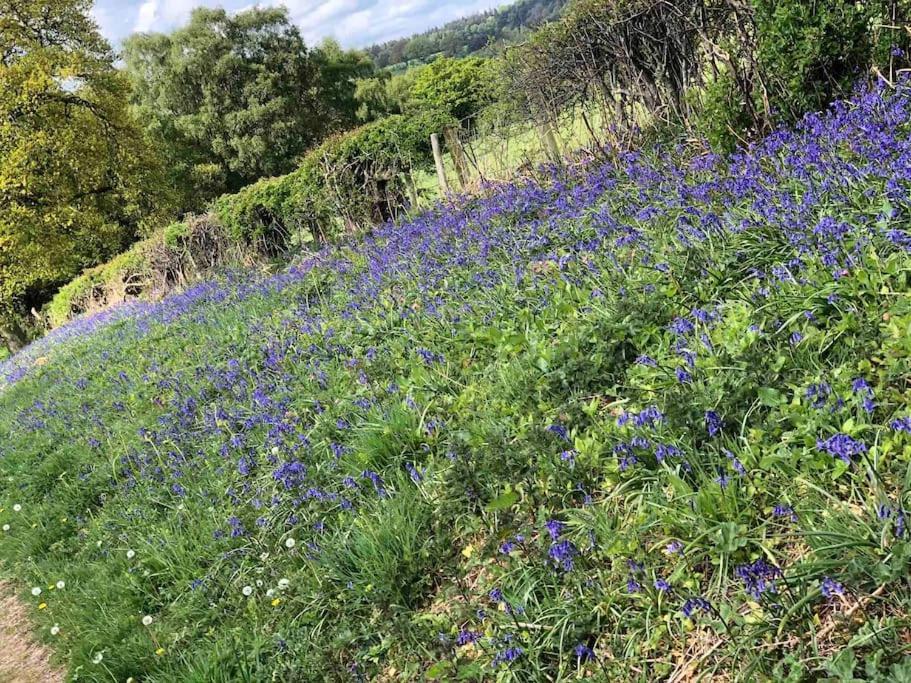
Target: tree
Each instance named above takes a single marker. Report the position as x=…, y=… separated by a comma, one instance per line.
x=459, y=87
x=339, y=73
x=78, y=179
x=385, y=94
x=231, y=98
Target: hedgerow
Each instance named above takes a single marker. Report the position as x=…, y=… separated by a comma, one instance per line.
x=644, y=419
x=346, y=185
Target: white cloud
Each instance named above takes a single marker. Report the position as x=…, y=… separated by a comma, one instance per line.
x=146, y=17
x=355, y=23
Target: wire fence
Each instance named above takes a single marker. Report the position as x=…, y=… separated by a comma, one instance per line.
x=496, y=145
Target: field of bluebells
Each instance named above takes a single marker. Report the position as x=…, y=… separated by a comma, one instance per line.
x=646, y=420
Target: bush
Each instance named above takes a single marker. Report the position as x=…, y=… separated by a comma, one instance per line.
x=172, y=257
x=350, y=182
x=459, y=87
x=811, y=53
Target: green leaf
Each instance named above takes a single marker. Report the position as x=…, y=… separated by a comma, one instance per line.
x=503, y=502
x=439, y=669
x=770, y=397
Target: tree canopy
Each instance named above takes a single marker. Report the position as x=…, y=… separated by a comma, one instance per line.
x=236, y=97
x=459, y=87
x=77, y=176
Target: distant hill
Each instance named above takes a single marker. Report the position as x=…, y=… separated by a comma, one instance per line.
x=469, y=35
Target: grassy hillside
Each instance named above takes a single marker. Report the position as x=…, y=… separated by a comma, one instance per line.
x=640, y=421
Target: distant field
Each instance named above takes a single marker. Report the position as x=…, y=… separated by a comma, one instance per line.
x=497, y=151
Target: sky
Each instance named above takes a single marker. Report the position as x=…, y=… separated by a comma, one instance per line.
x=354, y=23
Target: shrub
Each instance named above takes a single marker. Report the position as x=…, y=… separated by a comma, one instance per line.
x=172, y=257
x=348, y=183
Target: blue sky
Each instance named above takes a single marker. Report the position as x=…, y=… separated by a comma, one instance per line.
x=355, y=23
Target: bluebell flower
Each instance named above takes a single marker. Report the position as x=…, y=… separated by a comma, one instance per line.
x=841, y=446
x=509, y=545
x=681, y=326
x=237, y=527
x=713, y=423
x=377, y=481
x=758, y=577
x=584, y=652
x=416, y=476
x=649, y=417
x=666, y=451
x=735, y=463
x=563, y=554
x=559, y=430
x=782, y=510
x=507, y=656
x=831, y=588
x=696, y=604
x=818, y=394
x=662, y=585
x=467, y=637
x=554, y=528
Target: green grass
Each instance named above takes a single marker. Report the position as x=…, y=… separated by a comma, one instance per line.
x=497, y=149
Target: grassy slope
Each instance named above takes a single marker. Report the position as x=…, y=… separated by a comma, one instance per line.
x=590, y=427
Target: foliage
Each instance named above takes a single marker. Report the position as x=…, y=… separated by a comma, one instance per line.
x=386, y=93
x=811, y=53
x=77, y=177
x=348, y=184
x=473, y=34
x=375, y=98
x=171, y=258
x=459, y=87
x=732, y=69
x=339, y=72
x=644, y=418
x=231, y=98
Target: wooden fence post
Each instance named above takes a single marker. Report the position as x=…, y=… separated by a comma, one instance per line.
x=451, y=135
x=549, y=139
x=438, y=160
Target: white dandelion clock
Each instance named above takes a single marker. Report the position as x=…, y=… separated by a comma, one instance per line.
x=247, y=591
